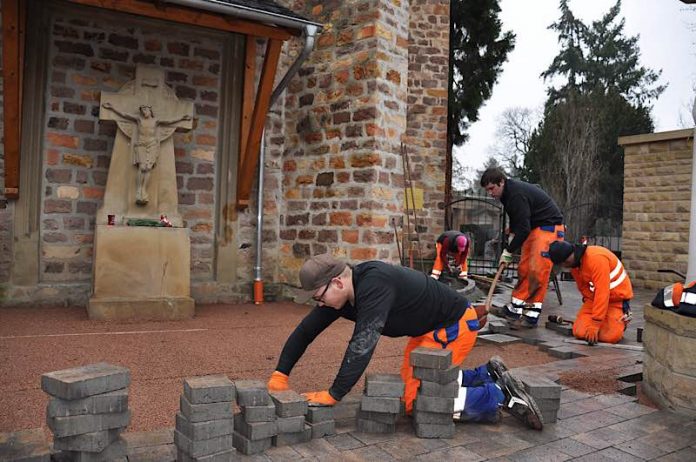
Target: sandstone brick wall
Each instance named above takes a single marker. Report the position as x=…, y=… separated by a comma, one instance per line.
x=5, y=208
x=657, y=201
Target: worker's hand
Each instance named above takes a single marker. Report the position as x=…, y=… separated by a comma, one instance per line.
x=278, y=382
x=505, y=258
x=481, y=314
x=592, y=334
x=627, y=317
x=435, y=276
x=463, y=275
x=319, y=398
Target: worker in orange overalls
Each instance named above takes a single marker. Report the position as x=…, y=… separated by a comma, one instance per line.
x=605, y=287
x=535, y=222
x=451, y=243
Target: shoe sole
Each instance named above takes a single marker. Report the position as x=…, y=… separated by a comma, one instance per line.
x=530, y=415
x=496, y=368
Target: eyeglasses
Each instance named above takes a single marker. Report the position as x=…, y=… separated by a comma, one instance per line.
x=320, y=298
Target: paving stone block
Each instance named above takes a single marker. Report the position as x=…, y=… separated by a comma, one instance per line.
x=422, y=417
x=88, y=442
x=105, y=403
x=264, y=413
x=434, y=404
x=370, y=426
x=116, y=451
x=549, y=416
x=202, y=412
x=249, y=447
x=381, y=417
x=202, y=447
x=289, y=403
x=203, y=430
x=286, y=439
x=541, y=387
x=230, y=455
x=161, y=453
x=628, y=389
x=565, y=352
x=545, y=404
x=322, y=429
x=564, y=329
x=438, y=376
x=76, y=425
x=84, y=381
x=431, y=358
x=380, y=404
x=435, y=430
x=446, y=390
x=499, y=339
x=498, y=327
x=546, y=346
x=316, y=414
x=252, y=393
x=290, y=424
x=25, y=446
x=386, y=385
x=209, y=389
x=254, y=430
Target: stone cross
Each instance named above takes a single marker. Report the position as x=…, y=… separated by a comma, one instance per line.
x=142, y=177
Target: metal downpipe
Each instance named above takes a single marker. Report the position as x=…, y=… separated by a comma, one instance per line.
x=310, y=36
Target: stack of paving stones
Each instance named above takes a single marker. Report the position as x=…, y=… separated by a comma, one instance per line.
x=380, y=405
x=205, y=421
x=255, y=425
x=321, y=421
x=546, y=394
x=88, y=410
x=434, y=404
x=290, y=408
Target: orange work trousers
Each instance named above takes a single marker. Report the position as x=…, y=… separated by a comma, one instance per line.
x=535, y=266
x=612, y=328
x=441, y=262
x=459, y=338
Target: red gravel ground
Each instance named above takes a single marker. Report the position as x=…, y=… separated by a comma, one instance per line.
x=242, y=341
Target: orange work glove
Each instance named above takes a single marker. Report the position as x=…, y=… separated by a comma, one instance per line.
x=592, y=334
x=319, y=398
x=278, y=382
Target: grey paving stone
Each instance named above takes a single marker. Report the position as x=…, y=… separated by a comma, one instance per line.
x=545, y=346
x=499, y=339
x=572, y=447
x=105, y=403
x=617, y=455
x=570, y=395
x=406, y=447
x=247, y=446
x=381, y=417
x=434, y=430
x=670, y=440
x=25, y=446
x=368, y=453
x=322, y=429
x=549, y=416
x=538, y=453
x=203, y=430
x=380, y=404
x=431, y=358
x=438, y=376
x=434, y=404
x=229, y=455
x=683, y=455
x=84, y=381
x=289, y=403
x=282, y=453
x=202, y=447
x=455, y=454
x=499, y=327
x=579, y=407
x=423, y=417
x=548, y=404
x=344, y=441
x=630, y=410
x=371, y=426
x=316, y=414
x=614, y=399
x=76, y=425
x=203, y=412
x=209, y=389
x=254, y=430
x=641, y=449
x=88, y=442
x=162, y=453
x=264, y=413
x=286, y=439
x=563, y=352
x=563, y=329
x=386, y=385
x=541, y=387
x=446, y=390
x=318, y=449
x=591, y=421
x=628, y=389
x=159, y=437
x=290, y=424
x=116, y=451
x=251, y=393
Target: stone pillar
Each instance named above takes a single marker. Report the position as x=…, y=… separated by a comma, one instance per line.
x=691, y=266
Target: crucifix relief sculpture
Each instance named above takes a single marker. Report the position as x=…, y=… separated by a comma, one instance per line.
x=145, y=142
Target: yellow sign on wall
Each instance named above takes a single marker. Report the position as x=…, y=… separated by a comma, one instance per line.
x=415, y=199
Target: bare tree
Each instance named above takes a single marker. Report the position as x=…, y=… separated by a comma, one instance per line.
x=513, y=134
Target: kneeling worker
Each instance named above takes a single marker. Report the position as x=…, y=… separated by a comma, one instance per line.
x=605, y=288
x=451, y=243
x=384, y=299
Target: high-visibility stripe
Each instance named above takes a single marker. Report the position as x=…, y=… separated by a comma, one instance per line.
x=614, y=281
x=514, y=309
x=436, y=272
x=532, y=313
x=537, y=305
x=618, y=281
x=616, y=270
x=668, y=291
x=517, y=301
x=689, y=298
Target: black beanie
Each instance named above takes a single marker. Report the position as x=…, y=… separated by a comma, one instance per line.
x=559, y=251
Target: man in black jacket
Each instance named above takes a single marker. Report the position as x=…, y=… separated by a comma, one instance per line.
x=384, y=299
x=535, y=222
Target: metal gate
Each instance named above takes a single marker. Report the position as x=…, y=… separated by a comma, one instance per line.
x=594, y=224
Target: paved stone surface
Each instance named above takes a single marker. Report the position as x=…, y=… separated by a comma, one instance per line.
x=499, y=339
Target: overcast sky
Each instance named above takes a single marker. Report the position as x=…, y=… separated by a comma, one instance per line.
x=667, y=30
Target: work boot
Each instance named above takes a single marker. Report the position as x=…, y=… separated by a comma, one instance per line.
x=509, y=311
x=519, y=404
x=521, y=324
x=496, y=368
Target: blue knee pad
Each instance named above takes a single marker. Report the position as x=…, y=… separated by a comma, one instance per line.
x=476, y=377
x=482, y=401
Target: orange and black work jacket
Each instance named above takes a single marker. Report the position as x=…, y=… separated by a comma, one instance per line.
x=602, y=278
x=677, y=297
x=528, y=207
